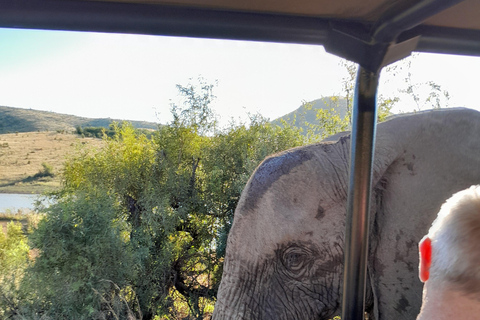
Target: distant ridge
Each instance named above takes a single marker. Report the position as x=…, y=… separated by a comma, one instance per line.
x=28, y=120
x=307, y=112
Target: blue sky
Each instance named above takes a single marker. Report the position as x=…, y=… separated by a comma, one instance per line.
x=133, y=77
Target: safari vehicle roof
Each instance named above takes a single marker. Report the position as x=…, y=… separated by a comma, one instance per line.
x=352, y=29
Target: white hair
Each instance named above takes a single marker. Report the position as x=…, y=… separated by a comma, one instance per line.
x=455, y=236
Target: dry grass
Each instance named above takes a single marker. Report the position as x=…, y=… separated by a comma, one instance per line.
x=22, y=155
x=28, y=218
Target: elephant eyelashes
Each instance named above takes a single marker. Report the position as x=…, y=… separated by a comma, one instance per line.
x=294, y=259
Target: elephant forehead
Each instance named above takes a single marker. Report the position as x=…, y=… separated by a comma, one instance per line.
x=277, y=221
x=270, y=171
x=301, y=195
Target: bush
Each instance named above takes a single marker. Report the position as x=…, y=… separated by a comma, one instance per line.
x=95, y=132
x=13, y=248
x=47, y=171
x=83, y=259
x=14, y=252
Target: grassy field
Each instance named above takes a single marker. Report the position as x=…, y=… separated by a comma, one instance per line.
x=22, y=156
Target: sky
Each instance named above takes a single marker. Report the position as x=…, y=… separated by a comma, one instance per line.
x=134, y=77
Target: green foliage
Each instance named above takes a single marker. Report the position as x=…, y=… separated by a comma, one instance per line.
x=330, y=115
x=83, y=252
x=13, y=248
x=234, y=155
x=47, y=171
x=424, y=95
x=333, y=119
x=13, y=261
x=94, y=132
x=126, y=170
x=306, y=118
x=328, y=121
x=204, y=176
x=195, y=112
x=101, y=132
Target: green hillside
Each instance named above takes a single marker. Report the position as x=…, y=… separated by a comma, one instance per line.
x=27, y=120
x=307, y=112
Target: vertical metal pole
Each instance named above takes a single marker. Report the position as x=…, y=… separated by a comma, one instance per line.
x=361, y=162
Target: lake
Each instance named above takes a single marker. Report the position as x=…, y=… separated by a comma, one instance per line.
x=14, y=202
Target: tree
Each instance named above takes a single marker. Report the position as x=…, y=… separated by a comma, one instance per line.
x=332, y=120
x=195, y=111
x=425, y=95
x=206, y=177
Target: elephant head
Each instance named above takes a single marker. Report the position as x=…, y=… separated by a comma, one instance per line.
x=284, y=256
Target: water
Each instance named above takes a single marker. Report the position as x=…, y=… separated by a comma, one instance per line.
x=14, y=202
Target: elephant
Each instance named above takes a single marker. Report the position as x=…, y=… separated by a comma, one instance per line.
x=284, y=257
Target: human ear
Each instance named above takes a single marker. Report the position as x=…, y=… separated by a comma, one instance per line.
x=425, y=249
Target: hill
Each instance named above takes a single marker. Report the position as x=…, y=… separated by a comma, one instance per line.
x=307, y=112
x=27, y=120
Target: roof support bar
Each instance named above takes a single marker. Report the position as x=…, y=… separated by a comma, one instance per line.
x=381, y=48
x=358, y=206
x=382, y=43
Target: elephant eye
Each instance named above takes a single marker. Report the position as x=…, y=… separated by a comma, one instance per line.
x=294, y=258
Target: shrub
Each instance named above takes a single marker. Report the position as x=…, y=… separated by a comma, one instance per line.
x=14, y=252
x=83, y=259
x=47, y=171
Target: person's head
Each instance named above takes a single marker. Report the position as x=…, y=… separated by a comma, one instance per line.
x=450, y=252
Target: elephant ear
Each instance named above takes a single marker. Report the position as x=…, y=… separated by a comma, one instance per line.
x=420, y=161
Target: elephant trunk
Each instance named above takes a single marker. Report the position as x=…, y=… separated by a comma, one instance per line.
x=264, y=293
x=235, y=300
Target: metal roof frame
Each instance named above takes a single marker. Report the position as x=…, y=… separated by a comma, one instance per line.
x=399, y=31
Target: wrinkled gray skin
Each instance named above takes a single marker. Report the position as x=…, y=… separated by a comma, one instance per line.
x=284, y=256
